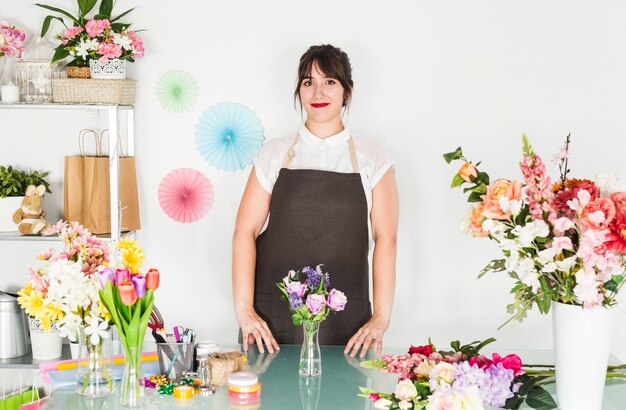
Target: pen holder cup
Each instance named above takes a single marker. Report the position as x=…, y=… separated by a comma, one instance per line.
x=175, y=359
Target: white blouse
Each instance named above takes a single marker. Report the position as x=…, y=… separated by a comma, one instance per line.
x=325, y=154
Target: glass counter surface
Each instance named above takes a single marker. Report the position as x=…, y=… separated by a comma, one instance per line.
x=282, y=388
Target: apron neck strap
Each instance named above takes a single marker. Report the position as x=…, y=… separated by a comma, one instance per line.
x=291, y=152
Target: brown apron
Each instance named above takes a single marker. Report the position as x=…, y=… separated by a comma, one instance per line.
x=316, y=217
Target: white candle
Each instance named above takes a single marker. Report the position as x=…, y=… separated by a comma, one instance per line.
x=10, y=93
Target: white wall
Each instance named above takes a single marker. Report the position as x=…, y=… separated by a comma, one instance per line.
x=429, y=76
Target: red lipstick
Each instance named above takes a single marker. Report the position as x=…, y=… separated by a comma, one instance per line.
x=319, y=105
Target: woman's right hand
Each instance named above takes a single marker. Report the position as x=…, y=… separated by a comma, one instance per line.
x=254, y=329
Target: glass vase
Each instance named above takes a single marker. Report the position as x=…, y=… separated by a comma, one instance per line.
x=310, y=355
x=132, y=389
x=93, y=366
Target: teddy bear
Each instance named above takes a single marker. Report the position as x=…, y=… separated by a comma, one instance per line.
x=30, y=216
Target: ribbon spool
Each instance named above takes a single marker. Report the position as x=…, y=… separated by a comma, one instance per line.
x=183, y=392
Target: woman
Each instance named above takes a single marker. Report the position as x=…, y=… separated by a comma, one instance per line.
x=328, y=195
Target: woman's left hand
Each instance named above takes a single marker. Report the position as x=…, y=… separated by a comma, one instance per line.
x=369, y=335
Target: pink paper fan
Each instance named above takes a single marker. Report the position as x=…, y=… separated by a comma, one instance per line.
x=186, y=195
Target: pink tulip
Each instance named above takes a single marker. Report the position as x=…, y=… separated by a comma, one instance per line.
x=122, y=276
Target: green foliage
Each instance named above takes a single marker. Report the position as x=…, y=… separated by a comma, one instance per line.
x=451, y=156
x=14, y=182
x=536, y=397
x=470, y=350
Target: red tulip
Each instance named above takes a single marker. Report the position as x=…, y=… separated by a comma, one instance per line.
x=153, y=278
x=128, y=295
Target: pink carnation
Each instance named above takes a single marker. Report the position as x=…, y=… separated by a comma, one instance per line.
x=95, y=28
x=598, y=214
x=72, y=32
x=108, y=51
x=137, y=44
x=12, y=40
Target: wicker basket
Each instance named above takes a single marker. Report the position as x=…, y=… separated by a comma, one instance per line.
x=78, y=72
x=93, y=91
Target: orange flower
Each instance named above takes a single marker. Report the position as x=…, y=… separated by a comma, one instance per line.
x=153, y=278
x=501, y=188
x=128, y=295
x=476, y=224
x=467, y=171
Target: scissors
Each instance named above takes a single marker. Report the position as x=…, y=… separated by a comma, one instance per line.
x=156, y=320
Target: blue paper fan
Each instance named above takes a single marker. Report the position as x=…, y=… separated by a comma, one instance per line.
x=229, y=136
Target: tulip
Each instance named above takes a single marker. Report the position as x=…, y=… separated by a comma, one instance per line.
x=105, y=276
x=122, y=276
x=153, y=278
x=140, y=285
x=128, y=295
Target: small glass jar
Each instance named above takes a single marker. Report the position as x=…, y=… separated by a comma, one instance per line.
x=244, y=388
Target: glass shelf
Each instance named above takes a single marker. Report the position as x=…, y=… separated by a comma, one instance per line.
x=59, y=106
x=16, y=236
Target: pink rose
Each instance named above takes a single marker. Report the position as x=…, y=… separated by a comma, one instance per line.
x=95, y=28
x=511, y=362
x=71, y=32
x=501, y=188
x=476, y=222
x=296, y=288
x=315, y=303
x=337, y=300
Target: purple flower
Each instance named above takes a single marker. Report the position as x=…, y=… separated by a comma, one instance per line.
x=337, y=300
x=121, y=276
x=315, y=276
x=494, y=382
x=105, y=276
x=296, y=288
x=315, y=303
x=294, y=301
x=140, y=285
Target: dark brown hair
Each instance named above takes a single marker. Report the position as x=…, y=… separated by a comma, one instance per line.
x=332, y=62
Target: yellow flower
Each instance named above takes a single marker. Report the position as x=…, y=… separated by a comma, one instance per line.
x=46, y=323
x=53, y=312
x=104, y=312
x=31, y=301
x=131, y=253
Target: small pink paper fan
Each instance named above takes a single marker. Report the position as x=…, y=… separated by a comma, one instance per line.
x=186, y=195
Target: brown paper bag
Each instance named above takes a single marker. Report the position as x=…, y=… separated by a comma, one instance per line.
x=87, y=188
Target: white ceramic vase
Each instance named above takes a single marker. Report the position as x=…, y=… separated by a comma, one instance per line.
x=582, y=339
x=115, y=69
x=8, y=206
x=45, y=345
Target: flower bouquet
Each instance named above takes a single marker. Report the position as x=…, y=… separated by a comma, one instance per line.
x=101, y=38
x=458, y=379
x=11, y=40
x=311, y=300
x=128, y=296
x=64, y=295
x=564, y=244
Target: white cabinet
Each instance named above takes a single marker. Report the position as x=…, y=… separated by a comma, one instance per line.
x=115, y=114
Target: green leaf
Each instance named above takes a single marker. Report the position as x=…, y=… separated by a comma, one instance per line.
x=46, y=24
x=85, y=6
x=451, y=156
x=121, y=15
x=106, y=8
x=479, y=188
x=618, y=279
x=377, y=364
x=527, y=148
x=457, y=181
x=483, y=177
x=474, y=197
x=65, y=13
x=538, y=398
x=59, y=54
x=119, y=26
x=611, y=286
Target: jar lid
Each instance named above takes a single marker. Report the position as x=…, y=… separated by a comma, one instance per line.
x=205, y=348
x=243, y=379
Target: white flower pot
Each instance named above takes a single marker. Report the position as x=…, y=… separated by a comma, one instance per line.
x=8, y=206
x=45, y=345
x=581, y=347
x=114, y=70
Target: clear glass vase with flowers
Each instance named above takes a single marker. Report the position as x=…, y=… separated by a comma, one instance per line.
x=65, y=291
x=311, y=300
x=128, y=296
